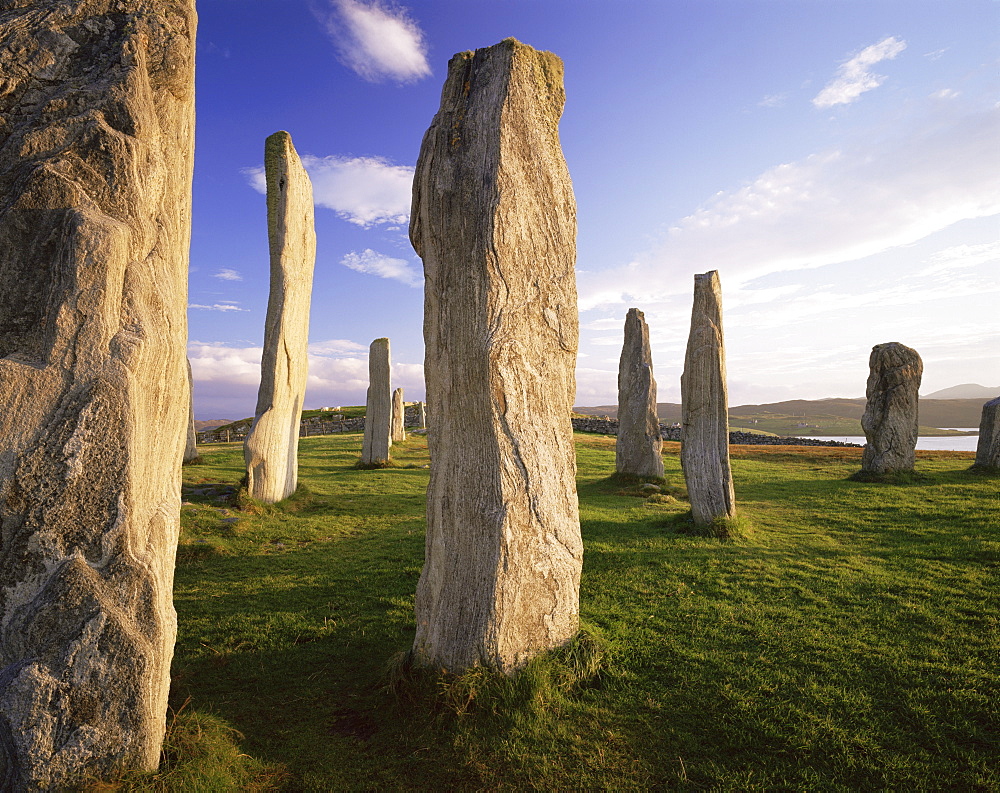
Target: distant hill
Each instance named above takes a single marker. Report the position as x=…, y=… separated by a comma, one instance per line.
x=820, y=416
x=211, y=424
x=966, y=391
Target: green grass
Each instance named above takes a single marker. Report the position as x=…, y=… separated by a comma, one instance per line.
x=848, y=640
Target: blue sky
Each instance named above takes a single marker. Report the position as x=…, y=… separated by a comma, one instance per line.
x=837, y=162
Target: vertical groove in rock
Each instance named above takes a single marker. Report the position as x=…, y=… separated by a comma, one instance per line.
x=271, y=447
x=639, y=443
x=378, y=410
x=988, y=447
x=705, y=408
x=96, y=143
x=890, y=417
x=398, y=416
x=494, y=220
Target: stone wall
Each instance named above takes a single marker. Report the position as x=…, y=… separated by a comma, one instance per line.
x=610, y=427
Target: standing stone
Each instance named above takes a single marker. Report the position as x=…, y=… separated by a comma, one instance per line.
x=890, y=417
x=96, y=142
x=422, y=415
x=378, y=413
x=705, y=408
x=639, y=444
x=988, y=448
x=271, y=448
x=191, y=447
x=398, y=416
x=493, y=219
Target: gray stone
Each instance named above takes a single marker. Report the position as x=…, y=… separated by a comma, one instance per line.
x=705, y=408
x=271, y=448
x=398, y=416
x=422, y=421
x=493, y=218
x=890, y=417
x=96, y=144
x=191, y=447
x=378, y=413
x=639, y=445
x=988, y=447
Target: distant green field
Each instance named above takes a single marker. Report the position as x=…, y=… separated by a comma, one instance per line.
x=813, y=424
x=851, y=642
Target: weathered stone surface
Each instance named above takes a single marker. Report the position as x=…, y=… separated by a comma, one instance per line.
x=639, y=444
x=191, y=448
x=988, y=447
x=271, y=448
x=378, y=413
x=96, y=140
x=398, y=416
x=422, y=421
x=890, y=417
x=493, y=218
x=705, y=408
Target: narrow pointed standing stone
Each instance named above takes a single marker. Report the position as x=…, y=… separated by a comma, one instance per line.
x=96, y=145
x=191, y=449
x=271, y=448
x=398, y=416
x=422, y=415
x=988, y=447
x=494, y=220
x=378, y=413
x=705, y=408
x=890, y=417
x=639, y=443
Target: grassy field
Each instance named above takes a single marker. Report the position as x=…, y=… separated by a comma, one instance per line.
x=850, y=642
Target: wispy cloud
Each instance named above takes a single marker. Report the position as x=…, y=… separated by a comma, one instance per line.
x=378, y=41
x=773, y=100
x=226, y=274
x=854, y=76
x=226, y=306
x=226, y=377
x=366, y=191
x=374, y=263
x=836, y=206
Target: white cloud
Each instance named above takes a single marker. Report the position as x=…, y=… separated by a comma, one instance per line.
x=773, y=100
x=226, y=377
x=854, y=76
x=374, y=263
x=945, y=93
x=226, y=274
x=838, y=206
x=377, y=41
x=366, y=191
x=224, y=306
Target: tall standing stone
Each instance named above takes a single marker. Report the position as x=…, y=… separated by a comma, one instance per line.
x=271, y=448
x=191, y=447
x=378, y=413
x=639, y=443
x=398, y=416
x=988, y=447
x=890, y=417
x=96, y=141
x=422, y=415
x=493, y=218
x=705, y=408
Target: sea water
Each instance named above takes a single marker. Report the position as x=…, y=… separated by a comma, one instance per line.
x=949, y=443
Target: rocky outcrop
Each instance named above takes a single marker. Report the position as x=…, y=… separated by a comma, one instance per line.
x=398, y=416
x=705, y=408
x=96, y=139
x=493, y=218
x=378, y=413
x=191, y=446
x=271, y=447
x=890, y=417
x=988, y=447
x=638, y=447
